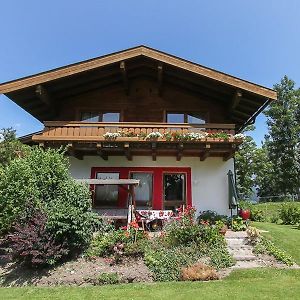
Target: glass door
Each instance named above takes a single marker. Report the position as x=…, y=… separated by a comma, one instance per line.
x=143, y=192
x=174, y=190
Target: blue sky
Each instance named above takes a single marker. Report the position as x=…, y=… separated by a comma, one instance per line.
x=255, y=40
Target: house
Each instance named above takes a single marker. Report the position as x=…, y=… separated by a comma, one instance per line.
x=147, y=115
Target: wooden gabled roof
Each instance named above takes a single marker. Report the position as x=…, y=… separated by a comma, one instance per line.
x=39, y=94
x=163, y=57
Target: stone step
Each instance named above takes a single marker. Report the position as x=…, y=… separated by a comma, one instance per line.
x=243, y=247
x=247, y=265
x=244, y=257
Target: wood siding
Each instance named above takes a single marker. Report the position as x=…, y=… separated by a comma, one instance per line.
x=142, y=103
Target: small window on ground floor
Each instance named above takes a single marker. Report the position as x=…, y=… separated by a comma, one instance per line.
x=106, y=196
x=174, y=190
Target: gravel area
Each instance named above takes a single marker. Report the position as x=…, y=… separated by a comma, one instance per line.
x=78, y=272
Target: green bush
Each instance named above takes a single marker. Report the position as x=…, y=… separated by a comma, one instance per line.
x=265, y=246
x=108, y=278
x=219, y=257
x=257, y=214
x=289, y=213
x=103, y=243
x=41, y=179
x=238, y=224
x=211, y=217
x=166, y=263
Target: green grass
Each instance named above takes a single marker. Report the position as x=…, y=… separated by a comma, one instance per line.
x=271, y=208
x=285, y=237
x=241, y=284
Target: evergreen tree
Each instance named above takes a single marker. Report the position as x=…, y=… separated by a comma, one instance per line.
x=282, y=141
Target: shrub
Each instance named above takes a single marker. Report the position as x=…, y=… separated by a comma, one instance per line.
x=42, y=179
x=238, y=224
x=257, y=214
x=275, y=218
x=289, y=213
x=166, y=263
x=265, y=246
x=103, y=243
x=198, y=272
x=31, y=243
x=219, y=256
x=212, y=217
x=108, y=278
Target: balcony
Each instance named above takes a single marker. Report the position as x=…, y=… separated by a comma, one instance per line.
x=132, y=138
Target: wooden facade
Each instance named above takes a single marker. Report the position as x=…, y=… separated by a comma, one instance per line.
x=142, y=85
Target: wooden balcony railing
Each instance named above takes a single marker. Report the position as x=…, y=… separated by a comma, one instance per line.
x=131, y=131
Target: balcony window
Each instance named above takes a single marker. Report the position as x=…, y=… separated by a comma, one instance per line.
x=100, y=116
x=89, y=117
x=195, y=118
x=175, y=118
x=190, y=118
x=111, y=117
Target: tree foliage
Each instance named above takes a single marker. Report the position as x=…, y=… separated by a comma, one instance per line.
x=245, y=165
x=282, y=141
x=41, y=180
x=10, y=147
x=275, y=167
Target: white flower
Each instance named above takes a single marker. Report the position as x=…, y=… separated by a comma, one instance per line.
x=239, y=136
x=153, y=135
x=195, y=136
x=111, y=135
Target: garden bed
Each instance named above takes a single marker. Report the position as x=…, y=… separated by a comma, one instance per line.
x=79, y=272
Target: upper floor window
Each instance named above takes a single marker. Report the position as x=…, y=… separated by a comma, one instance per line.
x=191, y=118
x=100, y=116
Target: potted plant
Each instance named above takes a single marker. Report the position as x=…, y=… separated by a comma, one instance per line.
x=245, y=210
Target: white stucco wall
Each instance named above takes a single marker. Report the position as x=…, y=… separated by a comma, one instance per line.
x=209, y=177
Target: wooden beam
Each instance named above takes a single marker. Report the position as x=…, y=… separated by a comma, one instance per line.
x=43, y=95
x=230, y=154
x=100, y=152
x=128, y=153
x=154, y=152
x=205, y=153
x=124, y=76
x=160, y=78
x=235, y=100
x=179, y=152
x=73, y=152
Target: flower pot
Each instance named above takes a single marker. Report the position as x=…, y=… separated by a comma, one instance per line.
x=245, y=213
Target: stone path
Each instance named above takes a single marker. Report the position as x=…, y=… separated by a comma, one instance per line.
x=241, y=250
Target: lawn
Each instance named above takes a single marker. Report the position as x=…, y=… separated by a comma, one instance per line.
x=241, y=284
x=285, y=237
